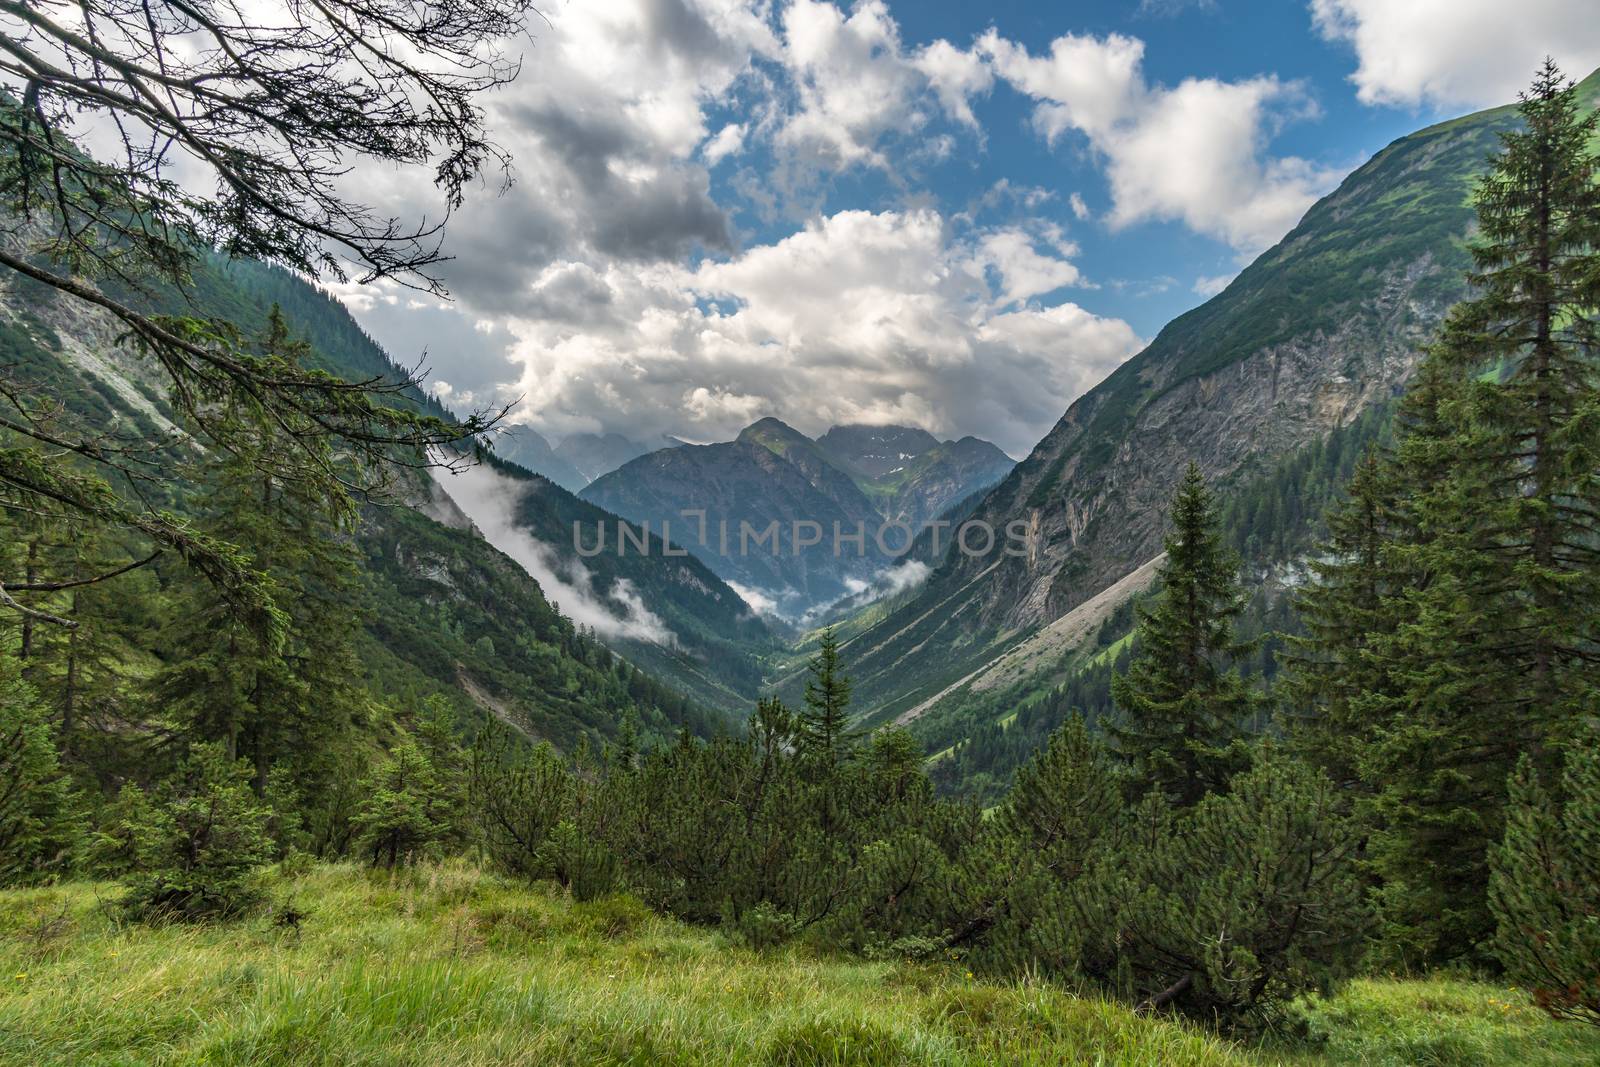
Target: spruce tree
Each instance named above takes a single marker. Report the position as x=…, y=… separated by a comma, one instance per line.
x=38, y=826
x=1184, y=706
x=1529, y=343
x=290, y=693
x=825, y=731
x=189, y=847
x=1332, y=676
x=1495, y=571
x=400, y=822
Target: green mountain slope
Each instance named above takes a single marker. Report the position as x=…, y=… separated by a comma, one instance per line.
x=449, y=611
x=1317, y=330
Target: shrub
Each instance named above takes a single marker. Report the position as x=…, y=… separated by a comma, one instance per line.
x=1260, y=902
x=189, y=847
x=400, y=820
x=762, y=926
x=1545, y=886
x=517, y=797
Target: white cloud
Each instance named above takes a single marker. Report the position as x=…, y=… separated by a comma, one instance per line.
x=1213, y=284
x=853, y=83
x=490, y=499
x=1080, y=210
x=956, y=76
x=759, y=603
x=729, y=141
x=1195, y=153
x=1450, y=53
x=902, y=576
x=1024, y=272
x=857, y=87
x=859, y=317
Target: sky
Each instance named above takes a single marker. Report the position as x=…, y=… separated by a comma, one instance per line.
x=948, y=215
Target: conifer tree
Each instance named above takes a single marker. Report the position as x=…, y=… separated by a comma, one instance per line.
x=1256, y=898
x=38, y=828
x=1492, y=651
x=1183, y=704
x=291, y=691
x=518, y=797
x=1545, y=889
x=1529, y=343
x=188, y=847
x=825, y=730
x=400, y=820
x=1333, y=678
x=1056, y=894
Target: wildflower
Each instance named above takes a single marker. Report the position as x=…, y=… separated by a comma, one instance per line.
x=20, y=975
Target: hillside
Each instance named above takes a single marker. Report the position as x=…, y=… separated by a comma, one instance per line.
x=449, y=966
x=450, y=612
x=1322, y=327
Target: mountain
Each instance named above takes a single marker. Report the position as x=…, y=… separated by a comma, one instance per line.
x=857, y=477
x=921, y=487
x=594, y=454
x=452, y=612
x=1323, y=327
x=743, y=488
x=527, y=448
x=875, y=451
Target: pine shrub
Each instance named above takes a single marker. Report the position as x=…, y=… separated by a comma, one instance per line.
x=1545, y=889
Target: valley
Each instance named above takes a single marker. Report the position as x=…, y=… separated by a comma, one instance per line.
x=521, y=558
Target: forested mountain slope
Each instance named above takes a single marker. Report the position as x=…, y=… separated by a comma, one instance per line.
x=1320, y=328
x=445, y=611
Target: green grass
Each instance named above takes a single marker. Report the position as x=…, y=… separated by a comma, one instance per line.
x=446, y=965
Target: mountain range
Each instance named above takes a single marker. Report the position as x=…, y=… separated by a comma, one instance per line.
x=877, y=487
x=479, y=589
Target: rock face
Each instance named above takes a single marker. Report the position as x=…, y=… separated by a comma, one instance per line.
x=856, y=478
x=1320, y=327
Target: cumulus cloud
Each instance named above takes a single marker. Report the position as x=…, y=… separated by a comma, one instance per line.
x=613, y=288
x=1450, y=53
x=859, y=317
x=490, y=500
x=1211, y=285
x=856, y=88
x=604, y=127
x=1195, y=153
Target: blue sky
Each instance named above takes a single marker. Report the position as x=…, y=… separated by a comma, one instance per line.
x=954, y=215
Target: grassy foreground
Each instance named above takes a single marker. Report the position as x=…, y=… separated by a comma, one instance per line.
x=447, y=965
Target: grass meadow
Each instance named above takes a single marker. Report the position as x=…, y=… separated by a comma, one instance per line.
x=447, y=965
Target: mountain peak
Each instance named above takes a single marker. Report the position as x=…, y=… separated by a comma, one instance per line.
x=774, y=434
x=770, y=424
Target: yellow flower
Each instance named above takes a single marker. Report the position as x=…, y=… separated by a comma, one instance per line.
x=19, y=976
x=969, y=974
